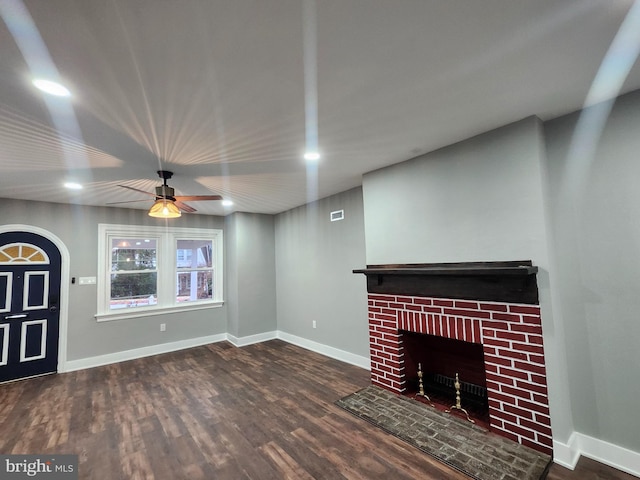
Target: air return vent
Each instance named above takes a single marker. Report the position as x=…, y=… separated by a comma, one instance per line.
x=337, y=215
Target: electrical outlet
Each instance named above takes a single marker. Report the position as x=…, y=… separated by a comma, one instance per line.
x=163, y=327
x=314, y=324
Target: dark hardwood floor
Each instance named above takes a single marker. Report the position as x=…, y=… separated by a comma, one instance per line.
x=218, y=412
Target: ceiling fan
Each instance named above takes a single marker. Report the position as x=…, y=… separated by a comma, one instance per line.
x=167, y=204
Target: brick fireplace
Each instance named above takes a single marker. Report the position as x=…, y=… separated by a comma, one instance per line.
x=492, y=304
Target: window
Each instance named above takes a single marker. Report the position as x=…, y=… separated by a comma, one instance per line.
x=150, y=270
x=195, y=270
x=134, y=272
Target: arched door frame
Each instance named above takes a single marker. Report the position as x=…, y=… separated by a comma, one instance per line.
x=64, y=284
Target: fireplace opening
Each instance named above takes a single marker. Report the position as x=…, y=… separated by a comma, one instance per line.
x=440, y=359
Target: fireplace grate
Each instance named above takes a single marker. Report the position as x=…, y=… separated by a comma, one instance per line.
x=440, y=389
x=469, y=388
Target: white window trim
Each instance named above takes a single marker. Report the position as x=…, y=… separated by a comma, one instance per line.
x=166, y=246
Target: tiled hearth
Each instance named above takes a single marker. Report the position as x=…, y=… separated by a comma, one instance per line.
x=511, y=337
x=481, y=455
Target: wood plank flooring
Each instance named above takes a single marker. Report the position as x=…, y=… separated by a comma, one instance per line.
x=218, y=412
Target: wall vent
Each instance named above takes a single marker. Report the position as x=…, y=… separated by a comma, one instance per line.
x=337, y=215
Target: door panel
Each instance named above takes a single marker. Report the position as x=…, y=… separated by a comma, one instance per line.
x=30, y=274
x=6, y=281
x=4, y=344
x=33, y=340
x=35, y=294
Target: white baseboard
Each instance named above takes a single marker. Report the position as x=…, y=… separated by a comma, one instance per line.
x=566, y=454
x=99, y=360
x=347, y=357
x=607, y=453
x=251, y=339
x=613, y=455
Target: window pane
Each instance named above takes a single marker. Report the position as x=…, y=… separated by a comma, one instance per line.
x=194, y=254
x=133, y=254
x=195, y=285
x=133, y=290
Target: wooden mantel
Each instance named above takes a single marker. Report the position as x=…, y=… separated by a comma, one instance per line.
x=512, y=281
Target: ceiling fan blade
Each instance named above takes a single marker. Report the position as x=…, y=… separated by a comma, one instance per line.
x=138, y=190
x=197, y=198
x=184, y=207
x=128, y=201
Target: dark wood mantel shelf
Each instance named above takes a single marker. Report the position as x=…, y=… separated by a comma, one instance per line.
x=513, y=281
x=446, y=270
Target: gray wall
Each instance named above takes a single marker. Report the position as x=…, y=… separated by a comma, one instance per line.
x=251, y=272
x=477, y=200
x=314, y=262
x=481, y=199
x=77, y=227
x=595, y=211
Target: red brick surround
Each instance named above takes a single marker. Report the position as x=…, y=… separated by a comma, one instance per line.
x=511, y=337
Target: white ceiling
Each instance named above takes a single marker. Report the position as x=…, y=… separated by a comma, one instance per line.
x=215, y=90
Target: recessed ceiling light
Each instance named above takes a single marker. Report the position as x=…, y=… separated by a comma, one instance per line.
x=227, y=203
x=52, y=88
x=311, y=156
x=73, y=186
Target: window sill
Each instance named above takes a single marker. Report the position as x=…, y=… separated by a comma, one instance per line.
x=153, y=311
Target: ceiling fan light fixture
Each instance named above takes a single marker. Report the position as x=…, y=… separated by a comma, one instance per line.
x=164, y=208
